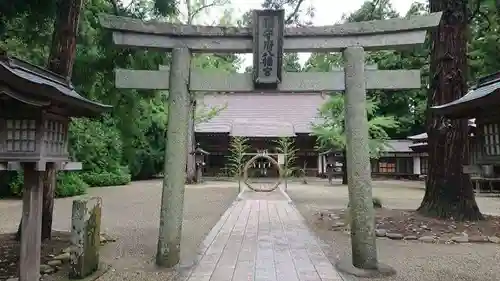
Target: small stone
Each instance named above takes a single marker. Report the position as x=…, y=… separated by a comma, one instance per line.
x=410, y=237
x=424, y=227
x=427, y=239
x=494, y=239
x=66, y=250
x=333, y=216
x=380, y=232
x=339, y=224
x=460, y=239
x=45, y=268
x=62, y=257
x=108, y=238
x=478, y=238
x=54, y=262
x=394, y=236
x=445, y=240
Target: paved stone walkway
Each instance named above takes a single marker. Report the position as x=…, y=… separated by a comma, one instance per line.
x=262, y=240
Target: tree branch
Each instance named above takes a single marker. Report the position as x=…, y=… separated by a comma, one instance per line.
x=477, y=12
x=115, y=7
x=129, y=5
x=290, y=17
x=201, y=8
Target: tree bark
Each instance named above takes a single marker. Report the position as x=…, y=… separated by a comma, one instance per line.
x=449, y=192
x=191, y=158
x=344, y=167
x=61, y=60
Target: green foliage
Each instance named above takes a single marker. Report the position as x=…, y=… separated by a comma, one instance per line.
x=120, y=177
x=237, y=156
x=330, y=131
x=68, y=184
x=286, y=146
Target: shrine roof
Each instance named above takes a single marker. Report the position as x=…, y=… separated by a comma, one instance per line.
x=484, y=96
x=391, y=146
x=398, y=146
x=27, y=79
x=423, y=136
x=261, y=114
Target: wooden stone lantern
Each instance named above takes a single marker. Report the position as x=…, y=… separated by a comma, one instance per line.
x=35, y=107
x=200, y=157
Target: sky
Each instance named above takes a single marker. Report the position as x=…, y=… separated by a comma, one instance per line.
x=326, y=12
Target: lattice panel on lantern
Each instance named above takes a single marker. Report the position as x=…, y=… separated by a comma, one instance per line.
x=20, y=136
x=54, y=137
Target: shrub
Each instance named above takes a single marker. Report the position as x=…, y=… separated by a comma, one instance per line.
x=16, y=184
x=119, y=177
x=68, y=184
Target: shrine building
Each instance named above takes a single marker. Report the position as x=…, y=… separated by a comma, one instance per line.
x=265, y=117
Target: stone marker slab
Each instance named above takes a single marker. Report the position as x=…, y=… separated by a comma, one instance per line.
x=85, y=237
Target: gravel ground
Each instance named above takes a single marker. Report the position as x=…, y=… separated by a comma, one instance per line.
x=130, y=214
x=414, y=261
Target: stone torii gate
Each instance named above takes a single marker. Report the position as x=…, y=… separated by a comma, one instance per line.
x=268, y=39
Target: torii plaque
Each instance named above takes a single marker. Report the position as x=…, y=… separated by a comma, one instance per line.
x=268, y=26
x=352, y=39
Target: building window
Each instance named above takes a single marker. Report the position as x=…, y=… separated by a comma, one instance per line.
x=387, y=166
x=405, y=165
x=491, y=139
x=424, y=165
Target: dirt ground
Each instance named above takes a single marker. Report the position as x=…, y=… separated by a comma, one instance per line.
x=413, y=260
x=130, y=214
x=9, y=252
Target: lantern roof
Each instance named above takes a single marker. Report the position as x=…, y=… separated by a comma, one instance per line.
x=37, y=86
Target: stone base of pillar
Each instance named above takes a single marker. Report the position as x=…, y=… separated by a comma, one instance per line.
x=345, y=266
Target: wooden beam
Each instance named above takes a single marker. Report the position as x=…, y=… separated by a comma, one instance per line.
x=209, y=81
x=371, y=42
x=63, y=166
x=397, y=25
x=31, y=224
x=471, y=169
x=70, y=166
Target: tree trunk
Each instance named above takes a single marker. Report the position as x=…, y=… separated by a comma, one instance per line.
x=344, y=167
x=61, y=60
x=449, y=192
x=191, y=158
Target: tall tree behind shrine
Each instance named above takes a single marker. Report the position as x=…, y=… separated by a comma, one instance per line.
x=61, y=60
x=448, y=191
